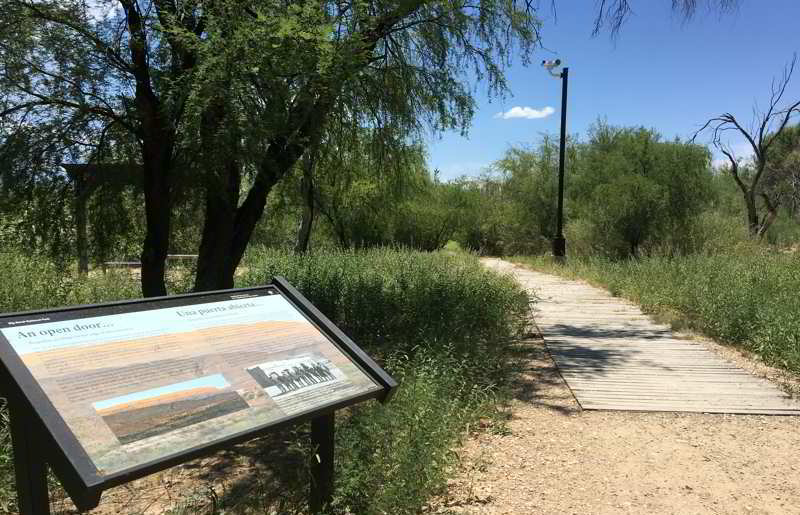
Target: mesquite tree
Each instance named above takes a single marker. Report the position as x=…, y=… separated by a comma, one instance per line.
x=242, y=88
x=765, y=129
x=280, y=73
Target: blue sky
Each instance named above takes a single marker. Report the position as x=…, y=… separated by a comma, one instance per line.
x=659, y=72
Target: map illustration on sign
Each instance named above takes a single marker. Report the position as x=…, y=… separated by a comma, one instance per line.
x=134, y=387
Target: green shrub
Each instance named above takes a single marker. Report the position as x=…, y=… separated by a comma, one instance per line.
x=392, y=457
x=30, y=283
x=35, y=283
x=390, y=300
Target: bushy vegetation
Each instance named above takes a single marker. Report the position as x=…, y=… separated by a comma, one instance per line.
x=748, y=299
x=440, y=323
x=629, y=192
x=392, y=300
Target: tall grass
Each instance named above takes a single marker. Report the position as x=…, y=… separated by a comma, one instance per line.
x=439, y=323
x=749, y=299
x=389, y=300
x=35, y=283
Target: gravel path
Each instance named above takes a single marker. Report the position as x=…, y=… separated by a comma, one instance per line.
x=557, y=459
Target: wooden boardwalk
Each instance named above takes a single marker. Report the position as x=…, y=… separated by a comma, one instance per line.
x=613, y=357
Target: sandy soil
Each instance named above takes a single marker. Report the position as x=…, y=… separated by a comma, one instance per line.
x=554, y=458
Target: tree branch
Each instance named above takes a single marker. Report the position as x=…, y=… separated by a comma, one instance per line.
x=735, y=170
x=99, y=44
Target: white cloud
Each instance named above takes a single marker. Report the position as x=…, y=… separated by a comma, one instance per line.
x=526, y=112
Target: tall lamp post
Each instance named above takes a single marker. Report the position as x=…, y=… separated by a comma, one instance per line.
x=559, y=242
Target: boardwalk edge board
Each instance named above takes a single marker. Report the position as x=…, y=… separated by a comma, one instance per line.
x=114, y=392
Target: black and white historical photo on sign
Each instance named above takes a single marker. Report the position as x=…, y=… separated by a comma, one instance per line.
x=303, y=381
x=290, y=376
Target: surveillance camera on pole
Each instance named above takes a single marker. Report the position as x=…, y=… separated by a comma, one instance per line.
x=551, y=65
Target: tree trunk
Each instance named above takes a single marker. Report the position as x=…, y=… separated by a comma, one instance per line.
x=281, y=154
x=81, y=197
x=222, y=177
x=226, y=228
x=278, y=162
x=157, y=205
x=766, y=224
x=635, y=249
x=772, y=214
x=157, y=133
x=222, y=197
x=307, y=190
x=753, y=223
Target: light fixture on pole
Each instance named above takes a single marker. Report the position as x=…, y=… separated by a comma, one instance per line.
x=559, y=242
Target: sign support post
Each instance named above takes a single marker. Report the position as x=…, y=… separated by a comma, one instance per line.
x=322, y=438
x=30, y=467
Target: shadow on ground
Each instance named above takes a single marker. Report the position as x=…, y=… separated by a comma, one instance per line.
x=539, y=383
x=560, y=330
x=266, y=475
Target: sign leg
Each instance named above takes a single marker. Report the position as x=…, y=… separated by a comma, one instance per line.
x=29, y=465
x=322, y=432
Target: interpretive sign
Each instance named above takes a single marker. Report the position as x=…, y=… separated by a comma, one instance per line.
x=123, y=390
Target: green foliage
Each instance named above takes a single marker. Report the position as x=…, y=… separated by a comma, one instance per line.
x=627, y=193
x=625, y=211
x=748, y=299
x=390, y=300
x=31, y=282
x=35, y=206
x=402, y=452
x=237, y=91
x=522, y=199
x=8, y=493
x=482, y=215
x=429, y=219
x=361, y=186
x=37, y=283
x=634, y=191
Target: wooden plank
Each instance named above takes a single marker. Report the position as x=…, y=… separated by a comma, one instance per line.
x=689, y=389
x=614, y=357
x=689, y=403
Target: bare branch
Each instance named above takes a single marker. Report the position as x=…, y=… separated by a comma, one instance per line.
x=734, y=169
x=776, y=94
x=615, y=13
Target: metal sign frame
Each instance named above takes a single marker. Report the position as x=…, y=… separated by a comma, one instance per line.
x=41, y=436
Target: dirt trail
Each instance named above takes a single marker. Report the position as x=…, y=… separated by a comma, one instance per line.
x=557, y=459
